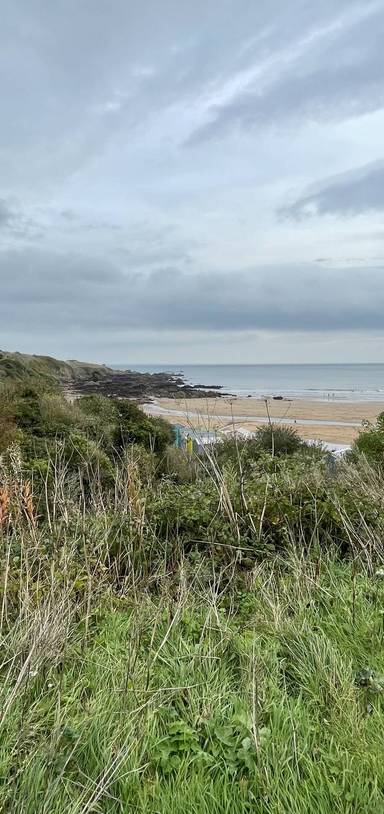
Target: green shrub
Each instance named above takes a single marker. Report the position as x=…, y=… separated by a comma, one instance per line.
x=40, y=413
x=27, y=413
x=370, y=442
x=134, y=427
x=239, y=452
x=185, y=509
x=278, y=440
x=282, y=502
x=244, y=453
x=58, y=416
x=85, y=455
x=36, y=419
x=101, y=416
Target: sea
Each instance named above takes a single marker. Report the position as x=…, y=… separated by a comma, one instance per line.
x=331, y=382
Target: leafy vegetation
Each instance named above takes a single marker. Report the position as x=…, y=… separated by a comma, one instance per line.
x=42, y=420
x=370, y=442
x=185, y=634
x=45, y=371
x=278, y=440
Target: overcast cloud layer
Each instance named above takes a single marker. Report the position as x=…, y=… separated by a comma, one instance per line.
x=192, y=182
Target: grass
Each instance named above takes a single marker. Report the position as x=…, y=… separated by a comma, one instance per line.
x=44, y=370
x=199, y=699
x=148, y=665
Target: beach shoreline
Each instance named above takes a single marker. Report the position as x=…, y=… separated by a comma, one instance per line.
x=328, y=421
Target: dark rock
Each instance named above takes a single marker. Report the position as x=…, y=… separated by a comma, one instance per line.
x=142, y=386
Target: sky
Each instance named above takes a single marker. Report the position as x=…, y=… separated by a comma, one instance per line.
x=192, y=182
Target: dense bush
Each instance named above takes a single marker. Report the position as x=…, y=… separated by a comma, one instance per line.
x=134, y=427
x=275, y=440
x=37, y=419
x=278, y=440
x=370, y=442
x=37, y=412
x=100, y=416
x=87, y=457
x=242, y=453
x=237, y=494
x=277, y=503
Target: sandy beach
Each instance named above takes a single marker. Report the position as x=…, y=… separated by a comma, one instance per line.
x=329, y=421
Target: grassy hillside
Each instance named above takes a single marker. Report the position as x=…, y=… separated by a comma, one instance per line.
x=45, y=372
x=184, y=635
x=17, y=367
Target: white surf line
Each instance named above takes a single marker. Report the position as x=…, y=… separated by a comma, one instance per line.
x=157, y=409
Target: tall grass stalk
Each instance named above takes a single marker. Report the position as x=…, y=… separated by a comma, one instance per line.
x=143, y=672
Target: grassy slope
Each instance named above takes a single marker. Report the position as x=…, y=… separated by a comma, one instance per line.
x=157, y=703
x=45, y=369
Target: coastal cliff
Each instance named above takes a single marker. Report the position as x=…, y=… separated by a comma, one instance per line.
x=83, y=378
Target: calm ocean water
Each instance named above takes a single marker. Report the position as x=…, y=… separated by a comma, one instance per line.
x=361, y=382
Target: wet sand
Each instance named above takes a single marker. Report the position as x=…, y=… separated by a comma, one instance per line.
x=335, y=422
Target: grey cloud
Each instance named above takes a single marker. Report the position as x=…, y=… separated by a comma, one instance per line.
x=16, y=224
x=69, y=215
x=334, y=81
x=109, y=225
x=57, y=292
x=353, y=193
x=81, y=69
x=139, y=243
x=7, y=215
x=77, y=221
